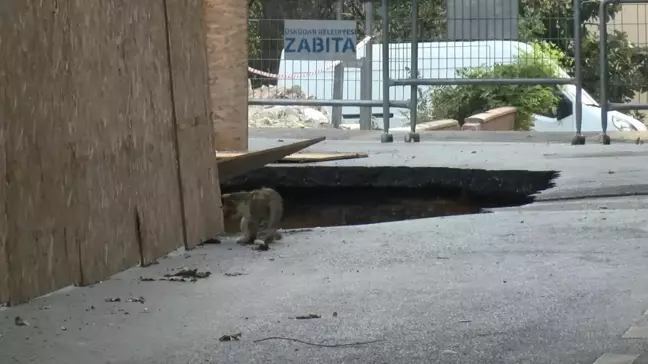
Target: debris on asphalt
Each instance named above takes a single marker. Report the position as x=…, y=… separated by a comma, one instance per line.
x=20, y=322
x=114, y=299
x=147, y=279
x=230, y=337
x=176, y=279
x=234, y=274
x=139, y=299
x=308, y=316
x=316, y=344
x=63, y=328
x=189, y=273
x=334, y=314
x=47, y=307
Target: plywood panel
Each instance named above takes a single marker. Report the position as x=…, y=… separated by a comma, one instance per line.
x=226, y=27
x=4, y=263
x=127, y=166
x=35, y=45
x=154, y=165
x=102, y=144
x=199, y=175
x=4, y=102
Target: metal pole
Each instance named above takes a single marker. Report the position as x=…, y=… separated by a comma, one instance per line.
x=367, y=69
x=338, y=79
x=414, y=67
x=578, y=72
x=385, y=64
x=603, y=64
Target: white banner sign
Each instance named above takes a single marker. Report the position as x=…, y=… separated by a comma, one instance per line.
x=320, y=40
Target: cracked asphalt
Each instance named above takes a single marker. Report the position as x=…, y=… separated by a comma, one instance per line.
x=551, y=282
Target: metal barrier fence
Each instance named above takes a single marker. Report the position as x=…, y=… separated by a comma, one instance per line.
x=629, y=30
x=435, y=53
x=333, y=84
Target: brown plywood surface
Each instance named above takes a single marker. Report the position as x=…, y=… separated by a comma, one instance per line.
x=198, y=172
x=34, y=50
x=226, y=28
x=302, y=157
x=4, y=263
x=154, y=164
x=102, y=145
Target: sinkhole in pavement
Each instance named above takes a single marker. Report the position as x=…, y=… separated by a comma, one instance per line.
x=339, y=196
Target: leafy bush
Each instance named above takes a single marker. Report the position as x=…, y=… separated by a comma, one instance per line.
x=459, y=102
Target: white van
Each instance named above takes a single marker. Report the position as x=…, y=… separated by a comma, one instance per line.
x=440, y=60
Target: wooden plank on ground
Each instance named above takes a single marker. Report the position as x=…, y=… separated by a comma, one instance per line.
x=236, y=166
x=302, y=157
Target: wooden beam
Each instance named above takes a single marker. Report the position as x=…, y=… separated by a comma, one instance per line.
x=236, y=166
x=302, y=157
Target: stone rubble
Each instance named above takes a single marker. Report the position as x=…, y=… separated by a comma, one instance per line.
x=268, y=116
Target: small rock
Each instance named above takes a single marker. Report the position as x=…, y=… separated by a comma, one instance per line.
x=234, y=274
x=308, y=316
x=115, y=299
x=63, y=328
x=146, y=279
x=230, y=337
x=334, y=314
x=139, y=299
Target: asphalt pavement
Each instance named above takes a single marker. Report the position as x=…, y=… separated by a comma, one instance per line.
x=562, y=280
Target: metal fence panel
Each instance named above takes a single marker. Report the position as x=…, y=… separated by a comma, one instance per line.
x=410, y=46
x=623, y=83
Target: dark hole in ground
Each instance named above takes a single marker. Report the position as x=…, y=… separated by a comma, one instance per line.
x=306, y=207
x=318, y=196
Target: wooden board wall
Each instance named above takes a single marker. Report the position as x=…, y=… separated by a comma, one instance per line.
x=4, y=104
x=226, y=22
x=36, y=64
x=91, y=164
x=4, y=262
x=199, y=174
x=128, y=165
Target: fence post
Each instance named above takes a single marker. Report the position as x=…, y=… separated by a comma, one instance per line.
x=338, y=78
x=366, y=74
x=578, y=112
x=412, y=136
x=338, y=83
x=385, y=137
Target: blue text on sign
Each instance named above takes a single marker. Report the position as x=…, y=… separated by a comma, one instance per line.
x=319, y=45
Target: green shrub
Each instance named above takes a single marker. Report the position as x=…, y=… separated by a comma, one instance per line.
x=459, y=102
